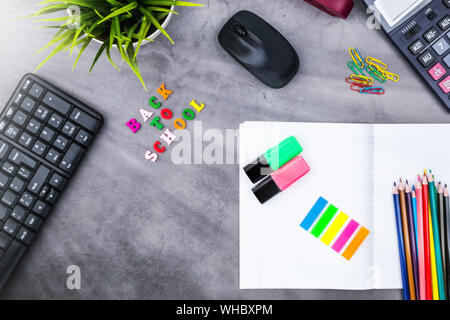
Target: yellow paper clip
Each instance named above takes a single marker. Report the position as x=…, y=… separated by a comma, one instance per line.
x=376, y=63
x=361, y=79
x=391, y=76
x=356, y=57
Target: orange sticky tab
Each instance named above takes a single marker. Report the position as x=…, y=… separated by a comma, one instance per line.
x=356, y=242
x=164, y=92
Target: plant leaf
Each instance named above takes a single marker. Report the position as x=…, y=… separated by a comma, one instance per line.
x=117, y=12
x=155, y=23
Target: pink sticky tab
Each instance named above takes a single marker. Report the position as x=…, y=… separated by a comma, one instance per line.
x=445, y=85
x=345, y=235
x=437, y=71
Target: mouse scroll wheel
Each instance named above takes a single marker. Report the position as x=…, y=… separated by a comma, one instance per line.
x=239, y=30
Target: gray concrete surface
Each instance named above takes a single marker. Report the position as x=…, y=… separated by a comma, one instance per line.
x=162, y=231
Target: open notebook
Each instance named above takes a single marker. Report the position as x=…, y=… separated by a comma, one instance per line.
x=353, y=166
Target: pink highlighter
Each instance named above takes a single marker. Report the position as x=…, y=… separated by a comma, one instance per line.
x=281, y=179
x=338, y=8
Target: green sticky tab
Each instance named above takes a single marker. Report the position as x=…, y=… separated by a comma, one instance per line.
x=324, y=221
x=282, y=153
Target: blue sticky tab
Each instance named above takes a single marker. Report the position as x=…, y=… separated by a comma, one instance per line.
x=313, y=213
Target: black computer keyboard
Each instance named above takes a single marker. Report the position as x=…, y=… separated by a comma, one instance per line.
x=44, y=134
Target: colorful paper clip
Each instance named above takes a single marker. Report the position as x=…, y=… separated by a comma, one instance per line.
x=374, y=73
x=391, y=76
x=356, y=57
x=361, y=79
x=372, y=90
x=355, y=69
x=377, y=63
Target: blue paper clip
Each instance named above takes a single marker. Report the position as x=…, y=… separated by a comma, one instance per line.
x=372, y=90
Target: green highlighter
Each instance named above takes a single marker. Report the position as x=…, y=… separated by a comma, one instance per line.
x=273, y=159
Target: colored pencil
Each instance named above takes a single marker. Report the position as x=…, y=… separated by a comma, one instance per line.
x=412, y=238
x=414, y=210
x=436, y=236
x=426, y=237
x=434, y=279
x=401, y=248
x=406, y=242
x=443, y=234
x=447, y=240
x=420, y=243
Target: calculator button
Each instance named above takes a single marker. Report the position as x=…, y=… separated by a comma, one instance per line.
x=412, y=32
x=36, y=91
x=441, y=46
x=426, y=58
x=431, y=15
x=447, y=3
x=430, y=35
x=416, y=47
x=447, y=60
x=445, y=85
x=444, y=24
x=28, y=104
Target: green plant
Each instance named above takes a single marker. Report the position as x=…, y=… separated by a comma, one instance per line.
x=117, y=23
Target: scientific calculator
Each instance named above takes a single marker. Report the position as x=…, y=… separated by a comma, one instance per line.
x=421, y=31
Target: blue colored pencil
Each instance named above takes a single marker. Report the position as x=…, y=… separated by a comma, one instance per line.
x=401, y=247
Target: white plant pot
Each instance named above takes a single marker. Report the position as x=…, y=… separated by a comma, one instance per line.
x=154, y=35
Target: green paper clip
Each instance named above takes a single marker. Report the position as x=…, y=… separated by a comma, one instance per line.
x=374, y=73
x=356, y=70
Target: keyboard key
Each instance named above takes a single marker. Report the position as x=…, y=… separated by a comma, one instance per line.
x=10, y=112
x=28, y=105
x=56, y=103
x=84, y=138
x=39, y=147
x=42, y=113
x=44, y=191
x=10, y=260
x=444, y=24
x=33, y=126
x=24, y=173
x=53, y=156
x=71, y=158
x=21, y=158
x=4, y=212
x=85, y=120
x=41, y=208
x=26, y=140
x=12, y=131
x=57, y=181
x=431, y=35
x=26, y=85
x=47, y=134
x=426, y=58
x=55, y=121
x=19, y=213
x=416, y=47
x=447, y=60
x=4, y=240
x=36, y=91
x=445, y=85
x=17, y=185
x=61, y=143
x=9, y=198
x=20, y=118
x=27, y=199
x=34, y=222
x=11, y=227
x=4, y=181
x=441, y=46
x=3, y=149
x=9, y=168
x=3, y=124
x=18, y=99
x=52, y=196
x=69, y=129
x=25, y=235
x=39, y=179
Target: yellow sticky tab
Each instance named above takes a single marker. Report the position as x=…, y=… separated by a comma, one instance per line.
x=334, y=228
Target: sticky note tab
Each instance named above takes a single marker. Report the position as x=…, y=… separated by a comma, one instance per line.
x=345, y=235
x=324, y=220
x=334, y=228
x=313, y=213
x=356, y=243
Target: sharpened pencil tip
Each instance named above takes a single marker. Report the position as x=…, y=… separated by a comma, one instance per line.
x=407, y=181
x=395, y=184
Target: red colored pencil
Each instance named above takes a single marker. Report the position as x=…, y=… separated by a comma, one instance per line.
x=426, y=236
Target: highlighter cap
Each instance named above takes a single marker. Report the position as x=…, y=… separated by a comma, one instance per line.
x=273, y=159
x=281, y=179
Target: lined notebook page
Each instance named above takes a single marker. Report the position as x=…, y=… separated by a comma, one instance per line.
x=401, y=150
x=274, y=251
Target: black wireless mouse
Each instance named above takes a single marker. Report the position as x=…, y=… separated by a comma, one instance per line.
x=260, y=48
